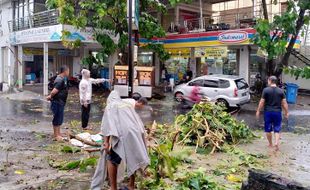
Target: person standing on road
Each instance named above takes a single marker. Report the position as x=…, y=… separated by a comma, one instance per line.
x=85, y=89
x=273, y=100
x=58, y=98
x=189, y=74
x=124, y=145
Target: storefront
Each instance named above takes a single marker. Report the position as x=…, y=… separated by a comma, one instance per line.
x=217, y=60
x=33, y=63
x=177, y=64
x=219, y=52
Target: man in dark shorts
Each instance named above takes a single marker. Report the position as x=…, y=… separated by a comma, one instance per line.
x=58, y=98
x=273, y=100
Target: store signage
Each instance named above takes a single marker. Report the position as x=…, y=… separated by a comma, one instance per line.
x=51, y=34
x=85, y=35
x=65, y=52
x=214, y=52
x=41, y=34
x=28, y=57
x=233, y=37
x=179, y=52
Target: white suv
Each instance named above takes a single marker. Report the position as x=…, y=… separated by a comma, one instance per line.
x=233, y=91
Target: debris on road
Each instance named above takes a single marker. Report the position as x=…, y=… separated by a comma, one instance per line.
x=85, y=139
x=209, y=125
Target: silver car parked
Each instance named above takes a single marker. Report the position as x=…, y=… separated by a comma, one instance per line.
x=233, y=91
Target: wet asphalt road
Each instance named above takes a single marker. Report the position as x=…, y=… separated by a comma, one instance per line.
x=163, y=111
x=23, y=120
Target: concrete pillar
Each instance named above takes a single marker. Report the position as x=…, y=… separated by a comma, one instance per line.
x=85, y=53
x=45, y=69
x=10, y=73
x=113, y=59
x=157, y=70
x=1, y=65
x=244, y=63
x=76, y=66
x=254, y=3
x=20, y=66
x=177, y=15
x=192, y=62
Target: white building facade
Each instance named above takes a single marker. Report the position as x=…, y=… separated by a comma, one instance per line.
x=31, y=44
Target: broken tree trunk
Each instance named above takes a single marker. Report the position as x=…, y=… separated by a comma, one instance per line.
x=92, y=143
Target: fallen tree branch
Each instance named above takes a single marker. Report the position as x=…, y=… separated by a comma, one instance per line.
x=91, y=143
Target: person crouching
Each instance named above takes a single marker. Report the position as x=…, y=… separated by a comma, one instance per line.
x=124, y=147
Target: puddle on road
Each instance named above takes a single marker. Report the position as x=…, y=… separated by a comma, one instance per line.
x=164, y=111
x=300, y=112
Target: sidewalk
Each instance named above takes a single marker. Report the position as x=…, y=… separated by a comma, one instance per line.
x=22, y=96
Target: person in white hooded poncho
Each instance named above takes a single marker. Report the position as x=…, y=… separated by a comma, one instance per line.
x=124, y=147
x=85, y=89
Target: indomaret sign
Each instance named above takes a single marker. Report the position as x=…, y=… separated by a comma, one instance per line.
x=233, y=37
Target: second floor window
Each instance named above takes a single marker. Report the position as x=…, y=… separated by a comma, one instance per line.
x=22, y=8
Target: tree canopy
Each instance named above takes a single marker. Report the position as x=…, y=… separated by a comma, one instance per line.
x=277, y=38
x=111, y=16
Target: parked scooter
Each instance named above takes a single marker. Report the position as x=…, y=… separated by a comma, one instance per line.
x=257, y=88
x=72, y=82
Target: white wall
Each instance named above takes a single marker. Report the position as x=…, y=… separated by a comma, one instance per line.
x=76, y=66
x=302, y=83
x=244, y=63
x=6, y=68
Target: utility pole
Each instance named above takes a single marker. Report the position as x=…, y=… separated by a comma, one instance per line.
x=130, y=65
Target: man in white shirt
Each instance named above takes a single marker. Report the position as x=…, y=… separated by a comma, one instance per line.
x=85, y=89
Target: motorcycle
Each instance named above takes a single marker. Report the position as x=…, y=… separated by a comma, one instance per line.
x=257, y=88
x=188, y=103
x=72, y=82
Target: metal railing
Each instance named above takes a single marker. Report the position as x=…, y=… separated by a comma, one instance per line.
x=221, y=20
x=46, y=18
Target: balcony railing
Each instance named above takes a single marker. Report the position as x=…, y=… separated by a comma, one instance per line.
x=46, y=18
x=223, y=20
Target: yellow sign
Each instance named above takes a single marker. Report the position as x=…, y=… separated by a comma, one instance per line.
x=34, y=51
x=179, y=52
x=214, y=52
